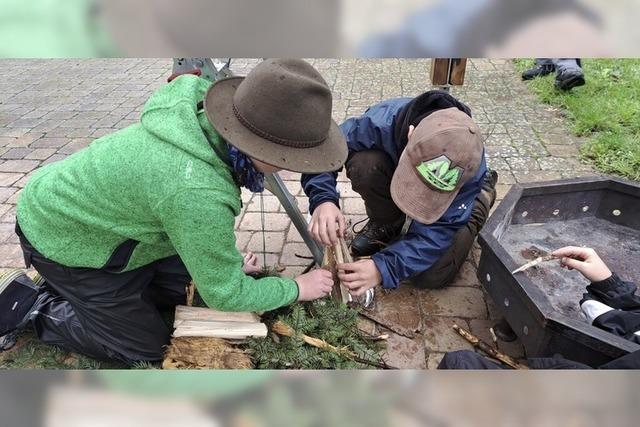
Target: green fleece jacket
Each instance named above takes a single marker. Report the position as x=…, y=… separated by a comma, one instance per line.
x=161, y=184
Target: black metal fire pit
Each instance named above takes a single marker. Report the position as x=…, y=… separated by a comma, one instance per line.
x=542, y=303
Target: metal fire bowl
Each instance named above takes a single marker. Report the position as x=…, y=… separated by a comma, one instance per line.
x=542, y=303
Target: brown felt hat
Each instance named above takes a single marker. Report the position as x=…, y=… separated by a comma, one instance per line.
x=279, y=114
x=444, y=152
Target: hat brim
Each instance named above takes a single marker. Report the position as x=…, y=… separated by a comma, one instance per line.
x=415, y=198
x=328, y=156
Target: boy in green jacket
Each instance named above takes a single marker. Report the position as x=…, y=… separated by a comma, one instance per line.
x=119, y=229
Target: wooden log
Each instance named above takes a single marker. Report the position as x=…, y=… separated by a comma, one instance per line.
x=217, y=329
x=207, y=314
x=340, y=259
x=481, y=345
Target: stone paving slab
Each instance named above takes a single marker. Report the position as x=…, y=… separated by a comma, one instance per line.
x=52, y=108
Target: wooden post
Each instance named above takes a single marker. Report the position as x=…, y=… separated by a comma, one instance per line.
x=448, y=71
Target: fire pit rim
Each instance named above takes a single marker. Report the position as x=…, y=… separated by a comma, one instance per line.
x=543, y=309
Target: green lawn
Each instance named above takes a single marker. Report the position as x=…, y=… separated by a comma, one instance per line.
x=606, y=111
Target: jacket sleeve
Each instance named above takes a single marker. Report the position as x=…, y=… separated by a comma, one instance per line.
x=613, y=306
x=200, y=226
x=423, y=244
x=321, y=188
x=367, y=132
x=615, y=293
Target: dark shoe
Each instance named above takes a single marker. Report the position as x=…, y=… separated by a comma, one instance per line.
x=374, y=237
x=17, y=296
x=538, y=71
x=488, y=192
x=568, y=80
x=504, y=332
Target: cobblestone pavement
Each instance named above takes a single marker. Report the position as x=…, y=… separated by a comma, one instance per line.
x=50, y=109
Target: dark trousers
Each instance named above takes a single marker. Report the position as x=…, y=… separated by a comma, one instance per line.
x=561, y=65
x=370, y=173
x=105, y=315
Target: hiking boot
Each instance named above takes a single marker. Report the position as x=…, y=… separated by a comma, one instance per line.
x=488, y=191
x=538, y=71
x=18, y=293
x=569, y=79
x=373, y=237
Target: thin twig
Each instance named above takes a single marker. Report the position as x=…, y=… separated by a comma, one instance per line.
x=481, y=345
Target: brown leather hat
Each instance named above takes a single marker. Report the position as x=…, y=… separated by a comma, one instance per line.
x=444, y=152
x=279, y=114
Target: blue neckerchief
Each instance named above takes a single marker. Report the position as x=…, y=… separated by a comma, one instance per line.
x=245, y=172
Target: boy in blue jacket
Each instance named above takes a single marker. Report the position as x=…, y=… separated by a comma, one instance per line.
x=421, y=158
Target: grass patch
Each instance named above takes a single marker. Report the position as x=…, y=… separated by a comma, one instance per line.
x=606, y=111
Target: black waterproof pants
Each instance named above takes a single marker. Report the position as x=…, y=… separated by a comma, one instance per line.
x=106, y=315
x=370, y=173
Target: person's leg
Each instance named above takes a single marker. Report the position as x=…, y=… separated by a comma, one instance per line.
x=466, y=359
x=170, y=280
x=370, y=173
x=100, y=314
x=443, y=271
x=569, y=73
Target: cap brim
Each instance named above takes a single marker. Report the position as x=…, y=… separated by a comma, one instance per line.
x=329, y=156
x=415, y=198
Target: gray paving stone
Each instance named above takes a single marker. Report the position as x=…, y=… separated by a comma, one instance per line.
x=439, y=335
x=8, y=178
x=40, y=153
x=454, y=301
x=47, y=142
x=6, y=193
x=18, y=165
x=16, y=154
x=273, y=241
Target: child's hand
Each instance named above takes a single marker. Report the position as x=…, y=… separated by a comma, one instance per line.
x=585, y=260
x=250, y=265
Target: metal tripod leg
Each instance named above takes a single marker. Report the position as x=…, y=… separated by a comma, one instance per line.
x=274, y=184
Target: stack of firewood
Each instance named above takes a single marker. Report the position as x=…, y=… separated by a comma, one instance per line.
x=203, y=339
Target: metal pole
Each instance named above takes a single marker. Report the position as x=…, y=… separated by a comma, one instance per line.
x=274, y=184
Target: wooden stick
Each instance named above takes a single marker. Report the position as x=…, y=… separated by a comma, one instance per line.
x=340, y=259
x=481, y=345
x=405, y=332
x=345, y=251
x=191, y=292
x=283, y=329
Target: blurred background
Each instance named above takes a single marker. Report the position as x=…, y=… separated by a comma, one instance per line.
x=263, y=398
x=328, y=28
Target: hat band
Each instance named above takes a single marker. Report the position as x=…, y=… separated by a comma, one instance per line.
x=272, y=138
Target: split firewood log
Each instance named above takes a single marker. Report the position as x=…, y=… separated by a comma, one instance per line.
x=334, y=255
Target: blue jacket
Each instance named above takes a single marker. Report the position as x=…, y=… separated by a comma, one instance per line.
x=423, y=244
